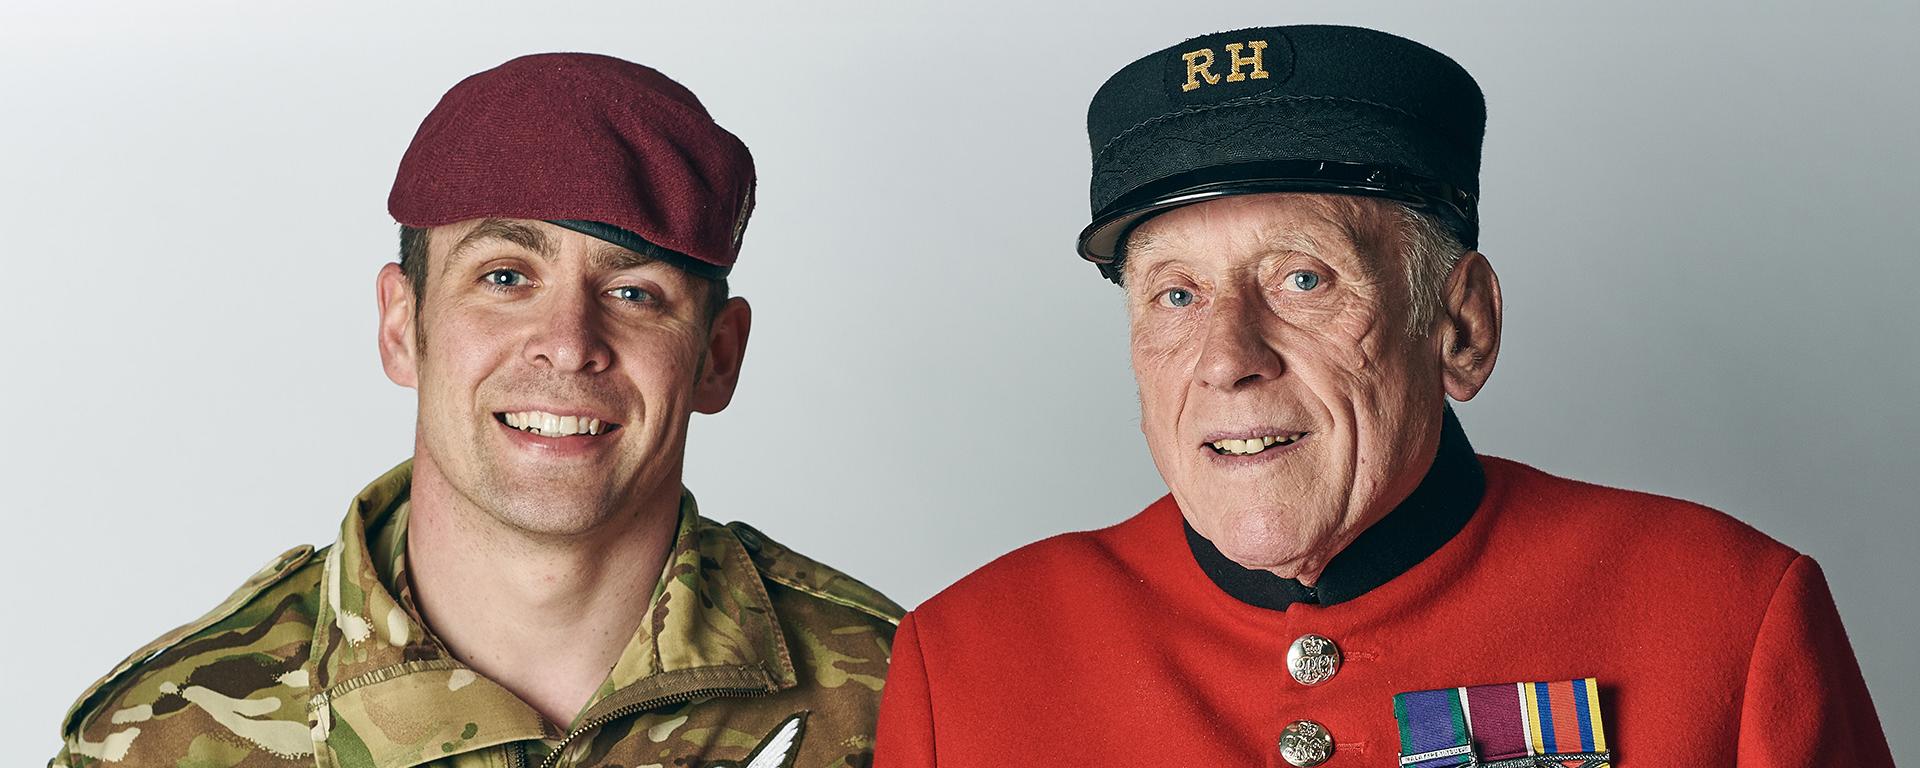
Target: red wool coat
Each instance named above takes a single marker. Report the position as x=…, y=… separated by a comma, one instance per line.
x=1712, y=644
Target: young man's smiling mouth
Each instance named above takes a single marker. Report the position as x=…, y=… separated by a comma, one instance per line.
x=547, y=424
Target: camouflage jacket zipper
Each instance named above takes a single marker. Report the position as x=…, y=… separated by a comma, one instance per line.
x=639, y=706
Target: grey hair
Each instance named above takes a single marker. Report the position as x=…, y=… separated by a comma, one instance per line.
x=1429, y=249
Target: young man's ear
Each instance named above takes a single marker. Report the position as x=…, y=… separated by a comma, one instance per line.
x=726, y=348
x=1470, y=329
x=399, y=341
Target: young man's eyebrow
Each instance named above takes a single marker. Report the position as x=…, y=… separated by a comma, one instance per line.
x=524, y=235
x=613, y=258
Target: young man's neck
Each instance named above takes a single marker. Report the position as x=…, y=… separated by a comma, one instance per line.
x=545, y=617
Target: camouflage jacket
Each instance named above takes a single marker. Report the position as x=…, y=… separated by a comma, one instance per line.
x=749, y=653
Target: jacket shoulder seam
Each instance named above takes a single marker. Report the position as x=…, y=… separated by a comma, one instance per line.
x=827, y=596
x=758, y=544
x=273, y=573
x=1759, y=628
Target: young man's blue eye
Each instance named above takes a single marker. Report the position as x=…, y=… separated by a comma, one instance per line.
x=630, y=293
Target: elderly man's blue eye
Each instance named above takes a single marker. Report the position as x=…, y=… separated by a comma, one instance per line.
x=1178, y=297
x=630, y=293
x=1303, y=281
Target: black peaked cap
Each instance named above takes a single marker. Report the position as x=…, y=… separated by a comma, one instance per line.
x=1297, y=108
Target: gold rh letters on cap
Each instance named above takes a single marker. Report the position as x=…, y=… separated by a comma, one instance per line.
x=1199, y=66
x=1235, y=61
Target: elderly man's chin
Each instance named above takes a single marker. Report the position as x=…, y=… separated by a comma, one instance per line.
x=1292, y=539
x=1280, y=515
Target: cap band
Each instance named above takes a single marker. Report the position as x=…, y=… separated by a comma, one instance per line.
x=1100, y=241
x=640, y=245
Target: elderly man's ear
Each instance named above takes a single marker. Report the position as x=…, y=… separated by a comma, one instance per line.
x=1470, y=331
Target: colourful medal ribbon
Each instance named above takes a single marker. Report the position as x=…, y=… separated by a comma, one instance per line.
x=1433, y=729
x=1509, y=724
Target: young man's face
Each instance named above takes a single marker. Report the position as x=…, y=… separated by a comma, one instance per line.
x=556, y=372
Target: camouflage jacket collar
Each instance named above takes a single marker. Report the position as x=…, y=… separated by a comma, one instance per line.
x=389, y=694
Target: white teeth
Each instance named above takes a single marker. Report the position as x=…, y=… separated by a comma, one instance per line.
x=553, y=425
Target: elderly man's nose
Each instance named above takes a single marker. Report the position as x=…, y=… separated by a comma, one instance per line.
x=1235, y=351
x=570, y=337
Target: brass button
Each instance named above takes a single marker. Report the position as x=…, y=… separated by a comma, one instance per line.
x=1313, y=659
x=1306, y=743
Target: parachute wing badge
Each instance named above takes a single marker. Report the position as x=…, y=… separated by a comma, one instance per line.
x=781, y=746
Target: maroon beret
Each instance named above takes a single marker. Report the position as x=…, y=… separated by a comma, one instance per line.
x=592, y=143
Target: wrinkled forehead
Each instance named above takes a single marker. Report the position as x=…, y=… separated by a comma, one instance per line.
x=1330, y=227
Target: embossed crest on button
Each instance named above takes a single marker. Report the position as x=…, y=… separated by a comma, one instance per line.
x=1313, y=659
x=1306, y=743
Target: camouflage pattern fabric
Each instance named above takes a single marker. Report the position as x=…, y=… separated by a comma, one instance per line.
x=751, y=655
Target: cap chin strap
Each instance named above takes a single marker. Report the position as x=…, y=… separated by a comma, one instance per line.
x=634, y=242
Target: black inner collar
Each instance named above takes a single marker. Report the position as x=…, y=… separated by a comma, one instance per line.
x=1431, y=515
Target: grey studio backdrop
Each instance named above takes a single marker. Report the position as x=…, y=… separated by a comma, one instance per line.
x=1702, y=215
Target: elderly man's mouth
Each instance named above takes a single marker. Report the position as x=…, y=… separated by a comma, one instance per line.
x=547, y=424
x=1254, y=445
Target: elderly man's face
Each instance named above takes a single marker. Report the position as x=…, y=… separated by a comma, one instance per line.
x=1281, y=394
x=556, y=371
